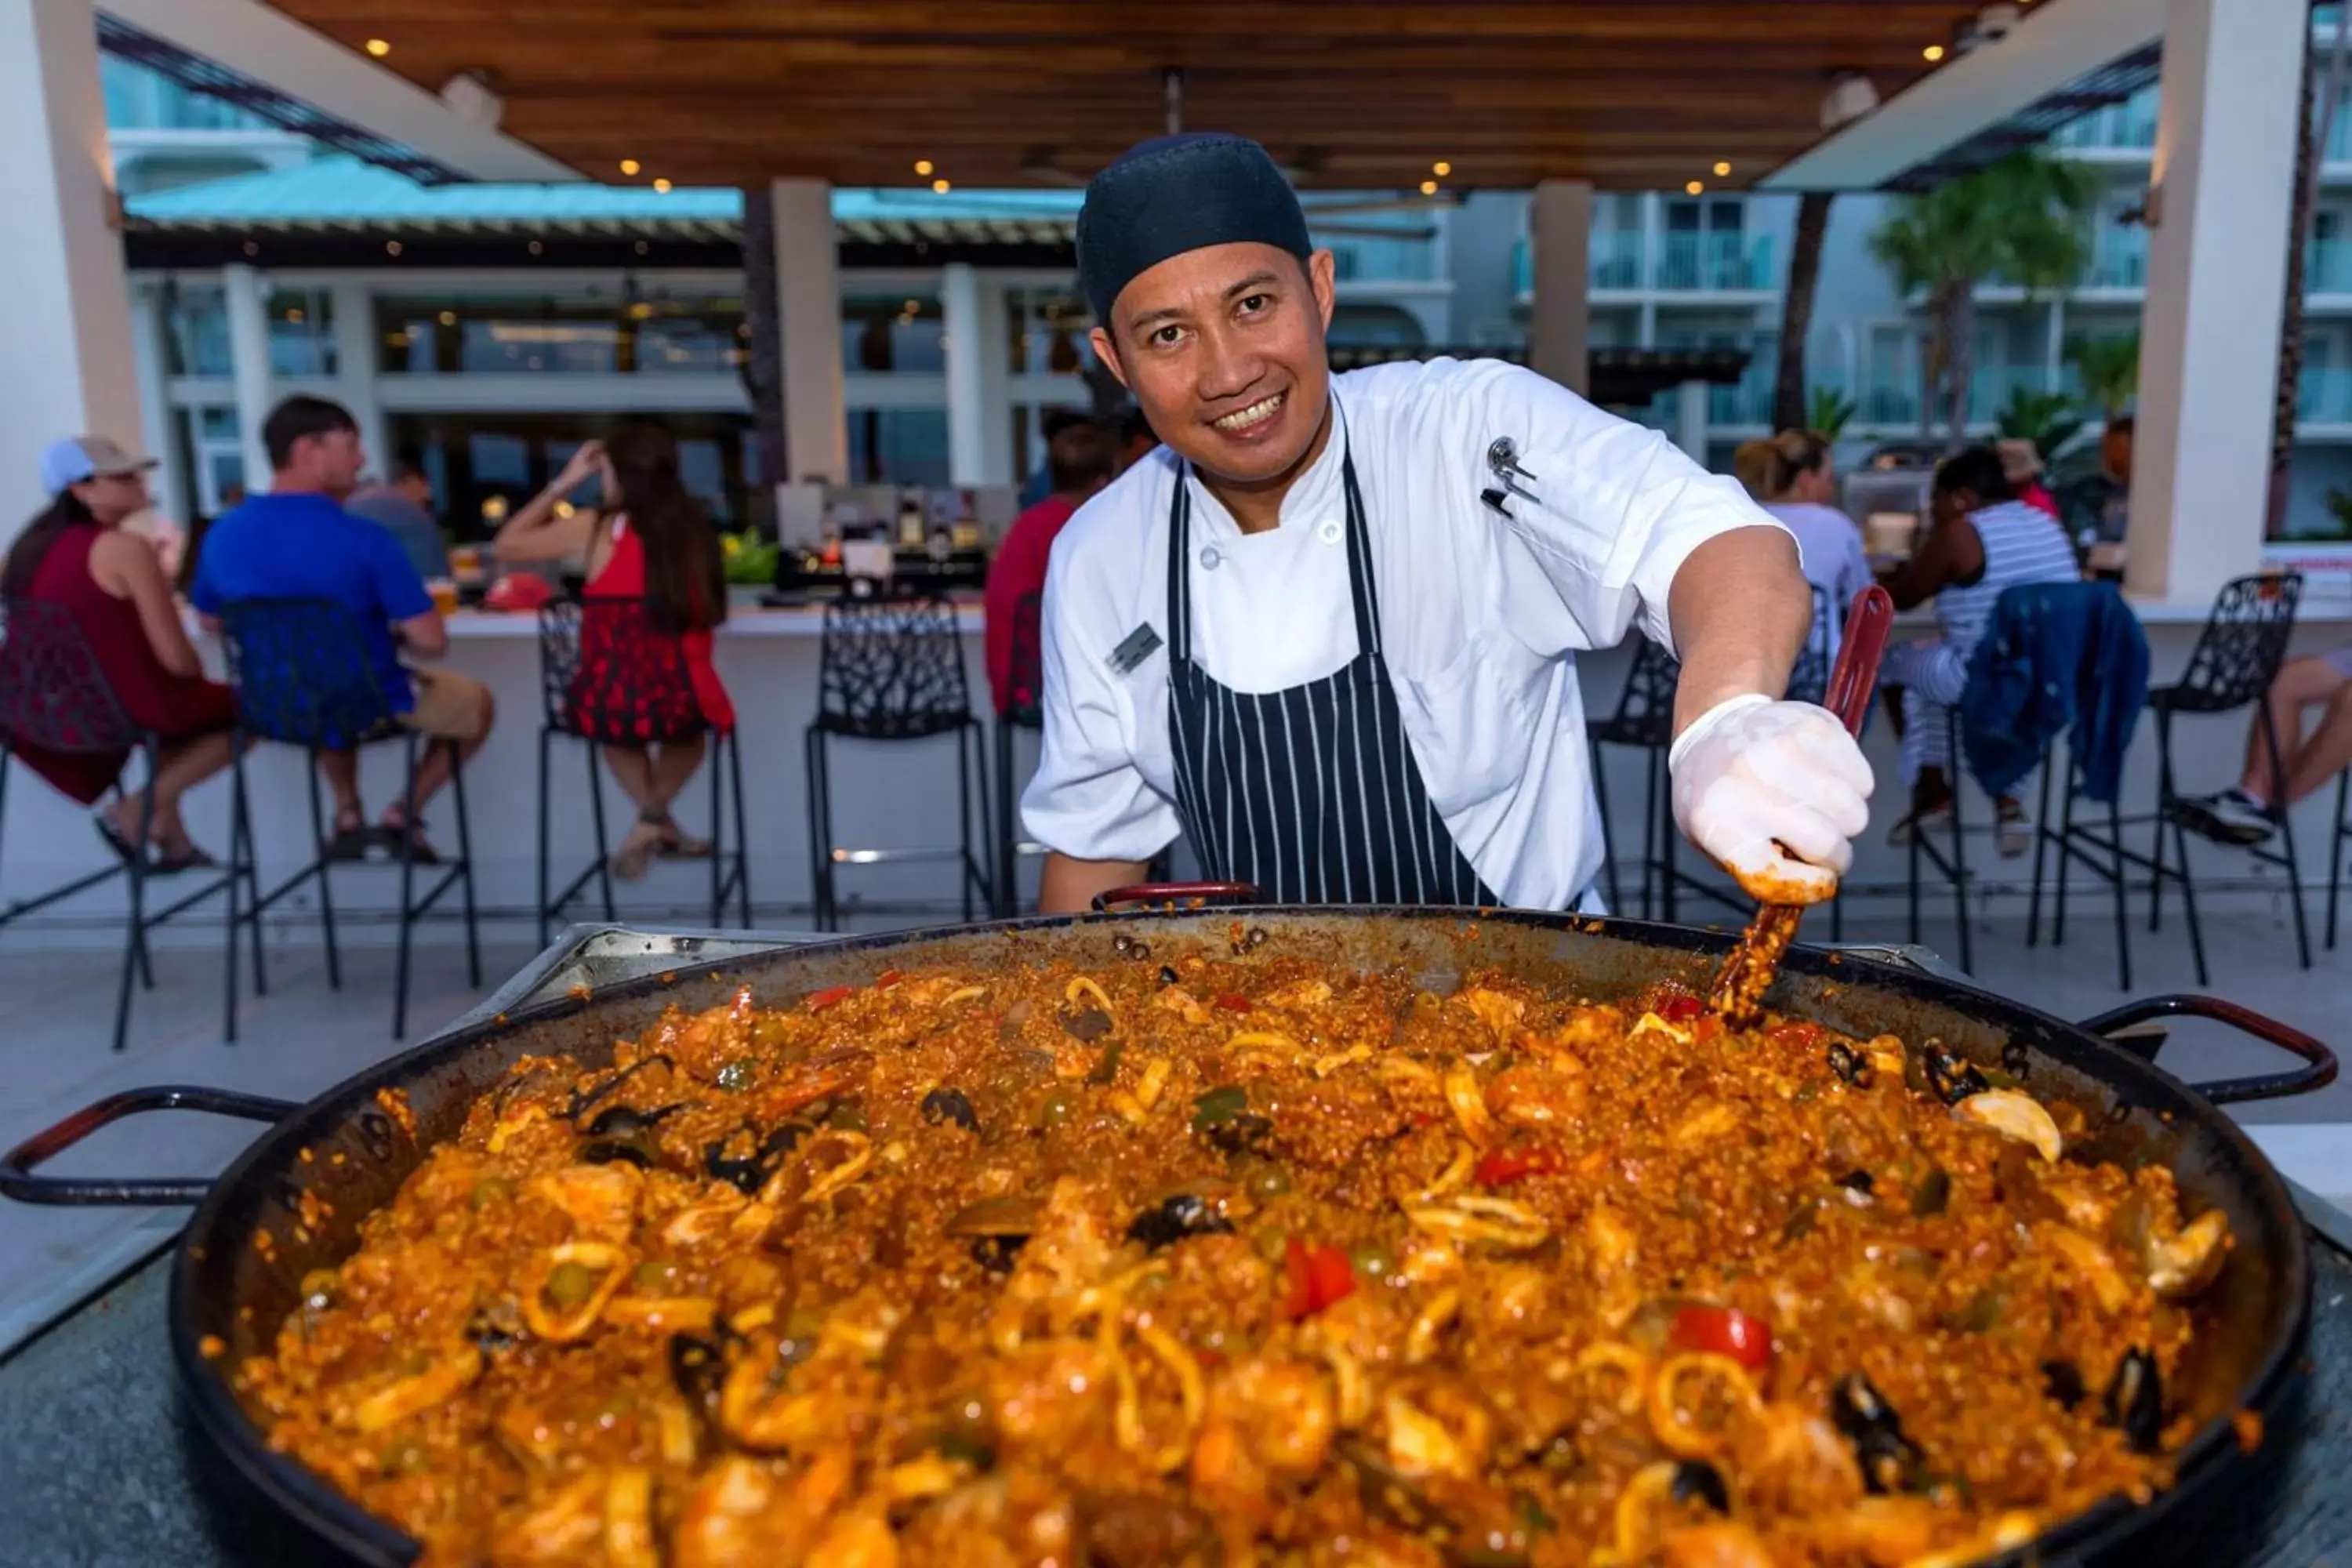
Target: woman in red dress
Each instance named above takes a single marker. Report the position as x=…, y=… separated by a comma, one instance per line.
x=77, y=554
x=650, y=542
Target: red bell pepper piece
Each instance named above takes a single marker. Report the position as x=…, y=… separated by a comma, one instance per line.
x=1501, y=1167
x=820, y=1000
x=1297, y=1280
x=1680, y=1009
x=886, y=979
x=1314, y=1276
x=1233, y=1001
x=1723, y=1330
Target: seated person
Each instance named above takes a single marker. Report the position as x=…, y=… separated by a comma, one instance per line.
x=1982, y=540
x=77, y=554
x=2248, y=811
x=1792, y=475
x=2098, y=505
x=297, y=542
x=1079, y=457
x=2021, y=459
x=648, y=540
x=403, y=507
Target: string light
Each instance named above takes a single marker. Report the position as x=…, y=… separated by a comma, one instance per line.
x=1694, y=187
x=378, y=48
x=942, y=187
x=1722, y=169
x=1441, y=168
x=923, y=167
x=1429, y=187
x=630, y=165
x=1932, y=53
x=662, y=186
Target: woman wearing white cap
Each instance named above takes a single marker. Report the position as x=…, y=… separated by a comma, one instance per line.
x=77, y=554
x=1298, y=634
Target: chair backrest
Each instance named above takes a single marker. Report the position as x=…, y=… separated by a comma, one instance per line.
x=891, y=668
x=1025, y=688
x=52, y=693
x=1645, y=709
x=609, y=673
x=2244, y=642
x=1808, y=678
x=303, y=673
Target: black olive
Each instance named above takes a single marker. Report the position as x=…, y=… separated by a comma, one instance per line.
x=605, y=1150
x=1953, y=1078
x=2062, y=1380
x=1240, y=1134
x=996, y=1253
x=1168, y=975
x=1890, y=1462
x=1858, y=1410
x=624, y=1120
x=1253, y=939
x=950, y=1105
x=749, y=1174
x=1695, y=1480
x=1174, y=1218
x=697, y=1367
x=1933, y=1195
x=1857, y=1181
x=1121, y=943
x=2014, y=1059
x=2135, y=1399
x=488, y=1334
x=1090, y=1026
x=581, y=1100
x=1850, y=1064
x=1128, y=947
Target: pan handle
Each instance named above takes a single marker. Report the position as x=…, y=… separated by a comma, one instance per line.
x=18, y=1180
x=1169, y=892
x=2317, y=1071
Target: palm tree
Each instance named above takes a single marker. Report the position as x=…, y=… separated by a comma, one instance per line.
x=2108, y=367
x=1827, y=413
x=2023, y=220
x=1796, y=310
x=2317, y=117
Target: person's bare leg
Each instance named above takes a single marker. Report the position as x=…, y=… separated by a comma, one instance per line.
x=433, y=768
x=673, y=768
x=631, y=768
x=2327, y=753
x=2301, y=684
x=634, y=767
x=180, y=766
x=342, y=772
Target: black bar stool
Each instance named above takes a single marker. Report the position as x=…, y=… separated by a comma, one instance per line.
x=2236, y=659
x=1951, y=865
x=304, y=679
x=612, y=677
x=1644, y=721
x=1026, y=694
x=890, y=668
x=54, y=695
x=2335, y=839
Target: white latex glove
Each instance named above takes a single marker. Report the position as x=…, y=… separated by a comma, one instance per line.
x=1776, y=792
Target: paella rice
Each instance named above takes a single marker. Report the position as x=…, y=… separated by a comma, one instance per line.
x=1236, y=1257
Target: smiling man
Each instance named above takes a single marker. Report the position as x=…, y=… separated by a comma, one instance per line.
x=1298, y=634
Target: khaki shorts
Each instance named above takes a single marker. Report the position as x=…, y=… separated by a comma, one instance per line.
x=449, y=706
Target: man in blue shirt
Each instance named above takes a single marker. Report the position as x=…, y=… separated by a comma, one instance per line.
x=297, y=541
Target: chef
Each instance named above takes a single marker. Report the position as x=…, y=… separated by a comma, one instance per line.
x=1319, y=634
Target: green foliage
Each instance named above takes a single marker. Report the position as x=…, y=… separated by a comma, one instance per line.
x=1829, y=412
x=2024, y=220
x=750, y=561
x=2339, y=512
x=2108, y=366
x=2048, y=419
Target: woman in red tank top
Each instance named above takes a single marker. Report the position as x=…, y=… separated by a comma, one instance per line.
x=77, y=554
x=650, y=541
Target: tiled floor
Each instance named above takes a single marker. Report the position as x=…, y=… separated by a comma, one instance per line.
x=56, y=1012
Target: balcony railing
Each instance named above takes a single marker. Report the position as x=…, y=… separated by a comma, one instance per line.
x=1617, y=259
x=1408, y=258
x=2128, y=126
x=2327, y=267
x=2121, y=259
x=1887, y=402
x=1714, y=262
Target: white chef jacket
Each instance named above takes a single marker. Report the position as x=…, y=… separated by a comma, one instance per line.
x=1481, y=614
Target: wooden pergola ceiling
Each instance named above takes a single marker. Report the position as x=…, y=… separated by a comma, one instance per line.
x=1630, y=94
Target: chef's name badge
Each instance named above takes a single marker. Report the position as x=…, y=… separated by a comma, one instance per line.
x=1133, y=650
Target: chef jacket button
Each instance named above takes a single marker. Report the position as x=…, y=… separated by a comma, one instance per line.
x=1209, y=558
x=1329, y=530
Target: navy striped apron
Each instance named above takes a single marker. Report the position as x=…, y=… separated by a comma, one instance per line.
x=1312, y=793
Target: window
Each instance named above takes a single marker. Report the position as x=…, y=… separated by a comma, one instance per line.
x=893, y=333
x=301, y=332
x=899, y=446
x=1050, y=331
x=651, y=333
x=197, y=326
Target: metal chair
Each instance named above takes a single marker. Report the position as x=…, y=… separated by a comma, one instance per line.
x=54, y=694
x=2336, y=840
x=1644, y=721
x=611, y=677
x=1026, y=711
x=891, y=669
x=304, y=679
x=2236, y=659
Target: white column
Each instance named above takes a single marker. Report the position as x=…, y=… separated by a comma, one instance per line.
x=1559, y=224
x=150, y=354
x=2220, y=194
x=979, y=376
x=354, y=309
x=1690, y=419
x=65, y=336
x=248, y=366
x=1654, y=244
x=2054, y=352
x=808, y=316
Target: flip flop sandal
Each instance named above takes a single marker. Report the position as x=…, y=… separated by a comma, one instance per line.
x=192, y=858
x=683, y=847
x=420, y=850
x=352, y=843
x=116, y=840
x=632, y=860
